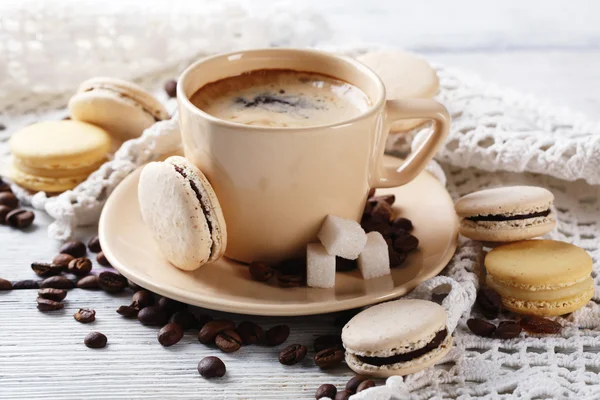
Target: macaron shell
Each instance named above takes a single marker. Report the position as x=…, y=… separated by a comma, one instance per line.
x=405, y=76
x=171, y=211
x=44, y=184
x=401, y=324
x=538, y=264
x=507, y=231
x=123, y=119
x=402, y=369
x=549, y=308
x=509, y=200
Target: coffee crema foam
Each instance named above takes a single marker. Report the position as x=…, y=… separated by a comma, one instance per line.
x=282, y=99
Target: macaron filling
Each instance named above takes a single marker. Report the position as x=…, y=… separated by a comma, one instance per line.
x=502, y=217
x=437, y=340
x=205, y=210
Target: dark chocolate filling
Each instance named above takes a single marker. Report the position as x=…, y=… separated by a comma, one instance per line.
x=500, y=217
x=205, y=210
x=433, y=344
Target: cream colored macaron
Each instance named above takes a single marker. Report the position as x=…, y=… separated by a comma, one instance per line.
x=540, y=277
x=122, y=108
x=182, y=211
x=396, y=338
x=405, y=76
x=506, y=214
x=55, y=156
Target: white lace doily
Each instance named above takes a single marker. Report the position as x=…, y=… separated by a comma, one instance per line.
x=498, y=137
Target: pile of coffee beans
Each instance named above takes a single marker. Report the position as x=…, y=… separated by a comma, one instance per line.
x=489, y=304
x=10, y=213
x=355, y=385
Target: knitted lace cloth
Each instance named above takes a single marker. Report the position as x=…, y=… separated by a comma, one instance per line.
x=498, y=137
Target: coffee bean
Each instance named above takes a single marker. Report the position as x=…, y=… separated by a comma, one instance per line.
x=396, y=258
x=211, y=367
x=343, y=265
x=45, y=269
x=171, y=88
x=327, y=342
x=397, y=232
x=326, y=390
x=153, y=316
x=211, y=329
x=354, y=382
x=81, y=266
x=4, y=210
x=481, y=327
x=377, y=226
x=9, y=199
x=52, y=294
x=94, y=245
x=57, y=282
x=48, y=305
x=26, y=284
x=289, y=281
x=142, y=299
x=185, y=319
x=111, y=282
x=406, y=243
x=489, y=302
x=371, y=192
x=387, y=198
x=170, y=334
x=203, y=319
x=88, y=282
x=382, y=212
x=260, y=272
x=292, y=354
x=329, y=358
x=365, y=385
x=63, y=260
x=170, y=306
x=95, y=340
x=20, y=218
x=134, y=286
x=277, y=335
x=128, y=311
x=102, y=260
x=85, y=315
x=74, y=248
x=534, y=324
x=403, y=223
x=5, y=285
x=228, y=341
x=250, y=333
x=507, y=330
x=343, y=395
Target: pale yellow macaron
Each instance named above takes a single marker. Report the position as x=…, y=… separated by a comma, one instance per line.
x=55, y=156
x=540, y=277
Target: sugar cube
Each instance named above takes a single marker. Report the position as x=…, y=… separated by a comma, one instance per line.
x=342, y=237
x=374, y=261
x=320, y=266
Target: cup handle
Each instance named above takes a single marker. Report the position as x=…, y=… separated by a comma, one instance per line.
x=418, y=159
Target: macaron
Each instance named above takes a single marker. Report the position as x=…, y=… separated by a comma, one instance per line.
x=396, y=338
x=181, y=210
x=122, y=108
x=506, y=214
x=55, y=156
x=540, y=277
x=404, y=76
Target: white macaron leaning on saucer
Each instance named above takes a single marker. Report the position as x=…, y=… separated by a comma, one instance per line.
x=181, y=209
x=396, y=338
x=120, y=107
x=506, y=214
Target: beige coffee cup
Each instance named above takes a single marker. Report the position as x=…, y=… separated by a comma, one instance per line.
x=277, y=185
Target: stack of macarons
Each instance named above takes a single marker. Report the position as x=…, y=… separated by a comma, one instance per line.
x=55, y=156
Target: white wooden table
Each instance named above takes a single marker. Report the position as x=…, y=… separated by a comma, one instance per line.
x=42, y=354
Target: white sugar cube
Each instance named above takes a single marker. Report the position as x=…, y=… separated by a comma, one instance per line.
x=374, y=261
x=342, y=237
x=320, y=266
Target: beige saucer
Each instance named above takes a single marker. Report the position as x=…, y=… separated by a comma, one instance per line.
x=226, y=285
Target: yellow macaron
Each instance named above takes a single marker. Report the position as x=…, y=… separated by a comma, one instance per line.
x=55, y=156
x=540, y=277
